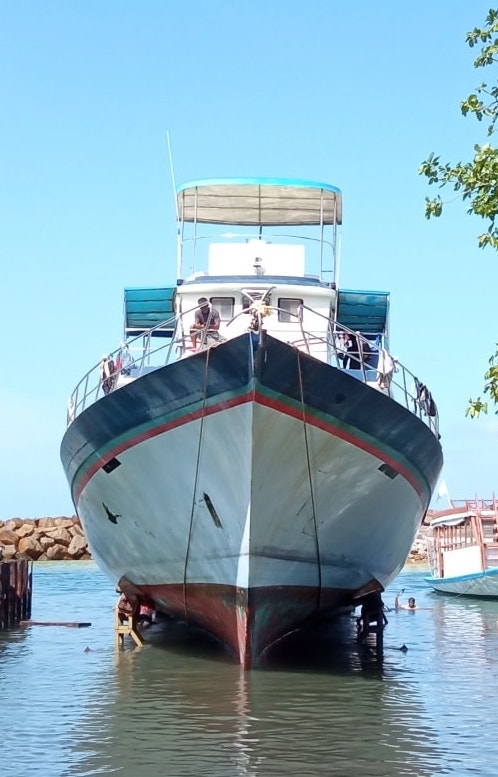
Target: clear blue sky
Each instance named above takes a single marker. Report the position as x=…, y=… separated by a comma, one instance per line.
x=355, y=94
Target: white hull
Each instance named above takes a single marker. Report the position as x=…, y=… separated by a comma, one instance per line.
x=252, y=504
x=479, y=584
x=253, y=467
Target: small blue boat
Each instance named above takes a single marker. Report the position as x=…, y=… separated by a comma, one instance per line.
x=462, y=548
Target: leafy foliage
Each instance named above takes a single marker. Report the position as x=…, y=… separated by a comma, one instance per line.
x=476, y=182
x=477, y=406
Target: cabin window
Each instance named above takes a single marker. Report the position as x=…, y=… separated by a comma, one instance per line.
x=288, y=309
x=225, y=306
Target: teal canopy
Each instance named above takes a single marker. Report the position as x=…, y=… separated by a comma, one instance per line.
x=148, y=307
x=363, y=311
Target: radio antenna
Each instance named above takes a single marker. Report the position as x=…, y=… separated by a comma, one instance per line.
x=178, y=235
x=172, y=171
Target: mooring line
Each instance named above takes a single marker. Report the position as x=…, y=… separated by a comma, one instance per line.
x=204, y=399
x=317, y=544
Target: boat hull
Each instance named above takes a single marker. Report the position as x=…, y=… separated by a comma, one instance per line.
x=479, y=584
x=250, y=490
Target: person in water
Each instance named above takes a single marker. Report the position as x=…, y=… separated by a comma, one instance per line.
x=412, y=605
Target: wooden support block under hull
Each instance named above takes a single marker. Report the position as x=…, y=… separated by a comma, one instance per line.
x=128, y=626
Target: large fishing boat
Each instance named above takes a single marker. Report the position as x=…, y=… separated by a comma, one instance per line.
x=252, y=458
x=462, y=548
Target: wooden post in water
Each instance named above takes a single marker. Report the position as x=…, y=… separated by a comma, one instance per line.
x=372, y=621
x=16, y=577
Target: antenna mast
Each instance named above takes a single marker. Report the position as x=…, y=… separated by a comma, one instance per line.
x=178, y=238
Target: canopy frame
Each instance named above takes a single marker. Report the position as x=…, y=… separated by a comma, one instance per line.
x=258, y=202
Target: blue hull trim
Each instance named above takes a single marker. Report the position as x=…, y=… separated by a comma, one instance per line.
x=462, y=578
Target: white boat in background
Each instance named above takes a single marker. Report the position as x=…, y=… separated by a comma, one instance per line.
x=462, y=548
x=278, y=469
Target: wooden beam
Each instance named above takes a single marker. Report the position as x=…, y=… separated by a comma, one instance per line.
x=76, y=625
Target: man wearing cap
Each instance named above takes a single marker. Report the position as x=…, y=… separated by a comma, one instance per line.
x=207, y=318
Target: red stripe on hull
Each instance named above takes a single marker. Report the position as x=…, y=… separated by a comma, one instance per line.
x=279, y=406
x=202, y=412
x=246, y=622
x=342, y=434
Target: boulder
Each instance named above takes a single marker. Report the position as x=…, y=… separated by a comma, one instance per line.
x=46, y=523
x=57, y=553
x=65, y=523
x=46, y=542
x=59, y=534
x=30, y=547
x=26, y=530
x=13, y=524
x=8, y=536
x=77, y=546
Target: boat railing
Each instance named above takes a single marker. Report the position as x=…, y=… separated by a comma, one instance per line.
x=133, y=358
x=323, y=248
x=142, y=354
x=477, y=504
x=399, y=383
x=130, y=360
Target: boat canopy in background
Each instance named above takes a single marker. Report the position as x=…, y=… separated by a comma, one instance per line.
x=363, y=311
x=148, y=307
x=259, y=202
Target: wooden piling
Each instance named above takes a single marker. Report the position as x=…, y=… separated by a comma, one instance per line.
x=16, y=578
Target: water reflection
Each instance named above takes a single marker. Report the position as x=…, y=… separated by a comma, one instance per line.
x=321, y=705
x=471, y=623
x=180, y=705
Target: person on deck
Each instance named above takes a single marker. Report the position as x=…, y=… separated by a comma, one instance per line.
x=107, y=374
x=351, y=352
x=207, y=320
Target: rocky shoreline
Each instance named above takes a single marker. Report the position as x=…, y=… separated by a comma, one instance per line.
x=63, y=539
x=418, y=553
x=43, y=539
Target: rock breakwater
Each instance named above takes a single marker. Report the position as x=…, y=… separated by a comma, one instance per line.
x=43, y=539
x=418, y=552
x=63, y=539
